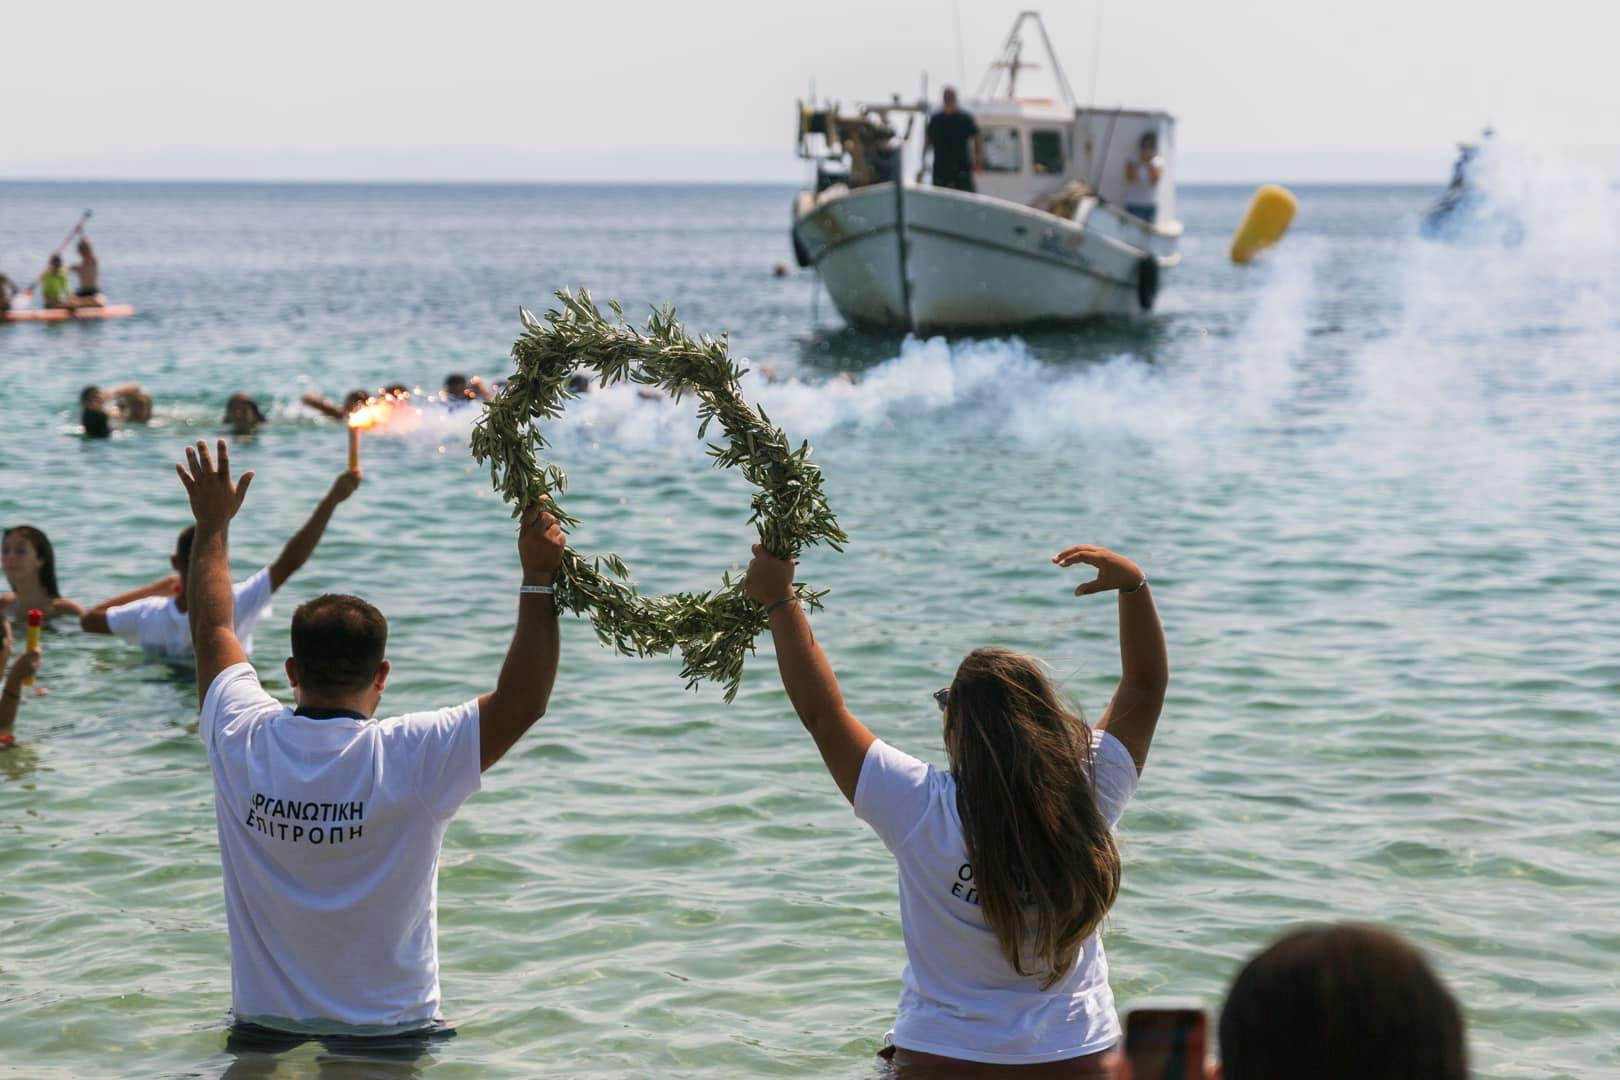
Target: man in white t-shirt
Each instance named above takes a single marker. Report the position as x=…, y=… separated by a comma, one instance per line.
x=330, y=821
x=154, y=616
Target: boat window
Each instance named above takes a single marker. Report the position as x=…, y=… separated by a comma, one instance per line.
x=1046, y=150
x=1003, y=150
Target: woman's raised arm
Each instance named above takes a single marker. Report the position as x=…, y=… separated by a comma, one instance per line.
x=806, y=675
x=1133, y=713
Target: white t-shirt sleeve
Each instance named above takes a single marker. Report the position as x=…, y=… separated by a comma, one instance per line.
x=125, y=619
x=251, y=599
x=1113, y=774
x=443, y=747
x=893, y=793
x=234, y=700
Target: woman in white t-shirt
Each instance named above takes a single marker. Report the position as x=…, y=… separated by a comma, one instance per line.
x=1007, y=862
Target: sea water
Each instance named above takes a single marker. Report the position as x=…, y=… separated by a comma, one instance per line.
x=1372, y=478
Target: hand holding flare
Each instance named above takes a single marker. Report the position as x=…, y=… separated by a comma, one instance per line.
x=366, y=416
x=36, y=619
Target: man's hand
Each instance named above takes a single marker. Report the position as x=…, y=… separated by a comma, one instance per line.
x=346, y=484
x=540, y=546
x=214, y=499
x=1113, y=571
x=768, y=578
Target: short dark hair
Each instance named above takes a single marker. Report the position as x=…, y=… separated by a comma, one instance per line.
x=182, y=547
x=338, y=643
x=96, y=424
x=1341, y=1003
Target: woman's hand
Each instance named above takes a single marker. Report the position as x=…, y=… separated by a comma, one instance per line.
x=769, y=579
x=1113, y=571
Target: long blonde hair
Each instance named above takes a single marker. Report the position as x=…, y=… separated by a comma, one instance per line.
x=1044, y=858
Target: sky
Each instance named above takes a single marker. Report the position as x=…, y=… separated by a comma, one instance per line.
x=705, y=90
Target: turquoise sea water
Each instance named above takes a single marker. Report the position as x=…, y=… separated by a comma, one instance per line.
x=1373, y=480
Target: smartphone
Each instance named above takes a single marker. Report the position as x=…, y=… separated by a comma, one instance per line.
x=1166, y=1043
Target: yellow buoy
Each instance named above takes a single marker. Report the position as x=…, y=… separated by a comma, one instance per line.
x=1268, y=217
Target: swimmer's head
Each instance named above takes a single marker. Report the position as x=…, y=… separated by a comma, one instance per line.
x=579, y=383
x=90, y=398
x=396, y=390
x=27, y=556
x=455, y=387
x=242, y=414
x=181, y=559
x=354, y=400
x=338, y=645
x=1044, y=859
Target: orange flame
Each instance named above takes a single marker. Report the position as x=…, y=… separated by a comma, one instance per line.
x=371, y=414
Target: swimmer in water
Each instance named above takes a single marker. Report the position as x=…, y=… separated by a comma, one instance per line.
x=30, y=566
x=242, y=415
x=352, y=401
x=459, y=388
x=129, y=403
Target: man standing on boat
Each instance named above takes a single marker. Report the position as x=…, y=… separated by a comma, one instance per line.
x=953, y=136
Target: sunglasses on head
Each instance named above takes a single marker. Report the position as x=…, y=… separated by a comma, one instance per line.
x=942, y=698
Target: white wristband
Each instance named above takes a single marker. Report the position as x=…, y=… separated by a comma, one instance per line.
x=542, y=590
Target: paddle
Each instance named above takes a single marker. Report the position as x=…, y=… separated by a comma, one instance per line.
x=84, y=217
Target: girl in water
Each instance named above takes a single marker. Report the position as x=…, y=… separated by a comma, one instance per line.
x=29, y=562
x=1007, y=861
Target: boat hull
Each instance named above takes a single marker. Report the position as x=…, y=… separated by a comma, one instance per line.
x=976, y=262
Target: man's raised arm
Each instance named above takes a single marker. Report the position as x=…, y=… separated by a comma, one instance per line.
x=214, y=501
x=524, y=686
x=304, y=541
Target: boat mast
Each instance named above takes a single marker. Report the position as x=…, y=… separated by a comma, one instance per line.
x=1011, y=62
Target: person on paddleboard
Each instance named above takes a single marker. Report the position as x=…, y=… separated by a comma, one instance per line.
x=88, y=271
x=53, y=285
x=1007, y=861
x=331, y=818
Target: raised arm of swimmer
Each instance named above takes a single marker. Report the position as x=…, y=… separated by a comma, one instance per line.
x=209, y=603
x=1133, y=712
x=524, y=687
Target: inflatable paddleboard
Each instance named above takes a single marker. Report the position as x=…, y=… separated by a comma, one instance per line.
x=106, y=311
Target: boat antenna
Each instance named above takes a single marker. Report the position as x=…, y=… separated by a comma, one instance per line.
x=1096, y=55
x=1012, y=62
x=961, y=64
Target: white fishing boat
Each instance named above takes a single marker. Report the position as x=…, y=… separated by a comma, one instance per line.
x=1044, y=238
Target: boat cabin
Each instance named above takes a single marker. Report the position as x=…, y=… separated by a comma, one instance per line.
x=1036, y=148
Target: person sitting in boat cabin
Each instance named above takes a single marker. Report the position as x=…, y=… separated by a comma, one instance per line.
x=459, y=388
x=88, y=271
x=332, y=915
x=130, y=404
x=351, y=402
x=243, y=415
x=154, y=616
x=1142, y=176
x=952, y=133
x=53, y=284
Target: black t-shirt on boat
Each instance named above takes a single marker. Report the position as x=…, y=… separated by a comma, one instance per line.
x=951, y=134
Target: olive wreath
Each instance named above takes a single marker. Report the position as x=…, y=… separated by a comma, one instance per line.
x=712, y=630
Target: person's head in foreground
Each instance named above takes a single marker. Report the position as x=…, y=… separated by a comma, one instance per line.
x=337, y=661
x=1044, y=859
x=242, y=414
x=1341, y=1002
x=29, y=561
